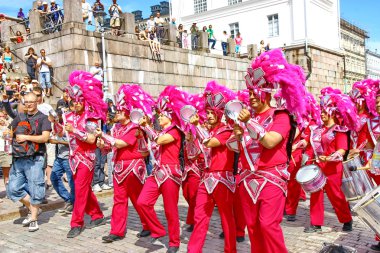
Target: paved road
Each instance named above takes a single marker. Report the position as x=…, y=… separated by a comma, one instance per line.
x=53, y=228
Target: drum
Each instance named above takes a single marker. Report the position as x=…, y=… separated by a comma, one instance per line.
x=187, y=112
x=135, y=115
x=355, y=183
x=311, y=178
x=368, y=210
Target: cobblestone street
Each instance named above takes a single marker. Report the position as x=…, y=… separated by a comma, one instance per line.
x=53, y=229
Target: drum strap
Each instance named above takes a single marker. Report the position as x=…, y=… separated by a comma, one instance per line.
x=292, y=133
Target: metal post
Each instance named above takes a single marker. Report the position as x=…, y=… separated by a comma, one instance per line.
x=105, y=81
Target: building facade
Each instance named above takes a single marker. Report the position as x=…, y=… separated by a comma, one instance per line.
x=373, y=64
x=353, y=41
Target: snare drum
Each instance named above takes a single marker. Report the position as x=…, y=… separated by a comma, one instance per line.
x=355, y=183
x=311, y=178
x=368, y=210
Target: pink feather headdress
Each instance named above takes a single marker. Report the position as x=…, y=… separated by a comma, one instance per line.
x=198, y=101
x=312, y=108
x=365, y=91
x=343, y=107
x=131, y=96
x=270, y=72
x=170, y=102
x=243, y=96
x=83, y=87
x=217, y=96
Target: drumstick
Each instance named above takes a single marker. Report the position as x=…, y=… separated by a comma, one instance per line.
x=293, y=160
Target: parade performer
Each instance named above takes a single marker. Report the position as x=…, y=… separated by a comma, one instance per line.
x=194, y=164
x=129, y=149
x=166, y=176
x=264, y=142
x=86, y=93
x=218, y=183
x=330, y=143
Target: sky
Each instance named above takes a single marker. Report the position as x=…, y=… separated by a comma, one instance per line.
x=362, y=13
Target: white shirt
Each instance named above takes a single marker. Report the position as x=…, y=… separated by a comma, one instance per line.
x=159, y=21
x=225, y=37
x=150, y=24
x=115, y=11
x=87, y=10
x=43, y=67
x=98, y=75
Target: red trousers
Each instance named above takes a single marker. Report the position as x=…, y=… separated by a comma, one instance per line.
x=223, y=198
x=190, y=188
x=129, y=188
x=148, y=197
x=302, y=194
x=264, y=219
x=336, y=197
x=85, y=199
x=294, y=188
x=239, y=214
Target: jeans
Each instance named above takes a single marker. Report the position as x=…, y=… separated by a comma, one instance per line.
x=224, y=47
x=160, y=33
x=194, y=42
x=99, y=176
x=31, y=71
x=213, y=43
x=61, y=166
x=45, y=80
x=27, y=176
x=110, y=168
x=99, y=23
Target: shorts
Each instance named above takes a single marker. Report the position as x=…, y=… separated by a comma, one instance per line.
x=50, y=148
x=115, y=22
x=5, y=159
x=27, y=173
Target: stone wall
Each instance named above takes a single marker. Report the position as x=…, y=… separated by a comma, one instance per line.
x=325, y=67
x=130, y=61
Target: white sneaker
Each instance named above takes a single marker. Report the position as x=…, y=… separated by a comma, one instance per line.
x=33, y=226
x=106, y=187
x=28, y=218
x=96, y=188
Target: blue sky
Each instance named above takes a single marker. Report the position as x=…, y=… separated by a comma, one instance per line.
x=363, y=13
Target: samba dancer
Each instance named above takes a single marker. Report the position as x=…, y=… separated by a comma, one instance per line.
x=129, y=149
x=264, y=142
x=218, y=183
x=81, y=125
x=166, y=176
x=329, y=144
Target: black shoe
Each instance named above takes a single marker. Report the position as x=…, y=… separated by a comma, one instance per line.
x=96, y=223
x=291, y=218
x=143, y=233
x=74, y=232
x=44, y=201
x=111, y=238
x=375, y=247
x=347, y=227
x=190, y=228
x=221, y=235
x=172, y=250
x=313, y=229
x=240, y=238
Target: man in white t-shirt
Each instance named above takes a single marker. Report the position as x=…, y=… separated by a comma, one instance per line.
x=97, y=71
x=150, y=24
x=160, y=26
x=86, y=12
x=43, y=65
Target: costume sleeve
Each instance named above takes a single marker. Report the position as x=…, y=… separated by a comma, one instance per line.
x=281, y=124
x=223, y=136
x=341, y=141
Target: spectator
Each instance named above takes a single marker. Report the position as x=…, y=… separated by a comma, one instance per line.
x=27, y=36
x=143, y=35
x=7, y=59
x=155, y=46
x=31, y=62
x=179, y=35
x=45, y=8
x=63, y=103
x=35, y=84
x=137, y=30
x=159, y=22
x=5, y=157
x=238, y=42
x=173, y=21
x=150, y=24
x=115, y=22
x=98, y=10
x=40, y=7
x=21, y=14
x=225, y=38
x=8, y=83
x=19, y=38
x=61, y=166
x=194, y=36
x=27, y=84
x=185, y=40
x=27, y=168
x=267, y=47
x=204, y=29
x=86, y=12
x=262, y=47
x=57, y=14
x=43, y=65
x=97, y=71
x=211, y=37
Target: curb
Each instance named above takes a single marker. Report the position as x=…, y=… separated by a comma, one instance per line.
x=22, y=211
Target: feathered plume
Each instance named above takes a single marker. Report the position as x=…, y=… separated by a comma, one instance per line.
x=133, y=96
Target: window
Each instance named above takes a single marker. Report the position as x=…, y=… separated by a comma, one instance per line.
x=273, y=25
x=234, y=29
x=232, y=2
x=200, y=6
